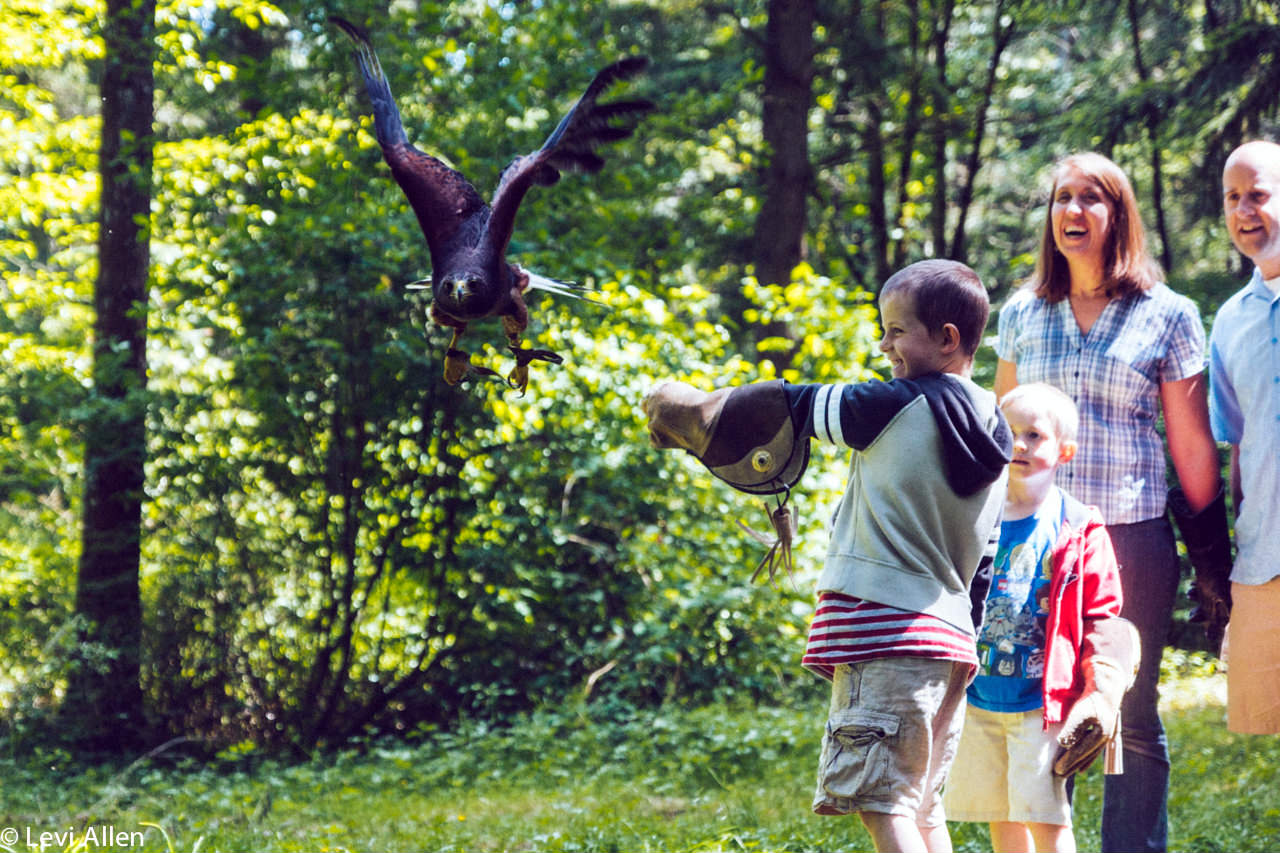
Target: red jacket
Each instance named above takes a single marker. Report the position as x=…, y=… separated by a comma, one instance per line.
x=1084, y=593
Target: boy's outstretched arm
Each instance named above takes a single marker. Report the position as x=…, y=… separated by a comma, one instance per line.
x=746, y=436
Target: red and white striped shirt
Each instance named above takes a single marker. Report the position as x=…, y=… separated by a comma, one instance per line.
x=849, y=630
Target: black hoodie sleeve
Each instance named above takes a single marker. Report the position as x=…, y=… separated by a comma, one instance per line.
x=974, y=451
x=848, y=415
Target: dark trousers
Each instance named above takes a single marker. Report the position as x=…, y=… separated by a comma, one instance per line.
x=1135, y=814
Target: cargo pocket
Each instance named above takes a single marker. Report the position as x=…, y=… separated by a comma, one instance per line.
x=856, y=759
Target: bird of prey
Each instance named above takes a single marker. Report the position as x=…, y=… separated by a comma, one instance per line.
x=471, y=278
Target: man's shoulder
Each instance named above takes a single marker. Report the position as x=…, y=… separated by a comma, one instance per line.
x=1234, y=305
x=1227, y=322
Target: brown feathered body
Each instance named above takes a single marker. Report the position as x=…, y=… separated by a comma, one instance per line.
x=471, y=278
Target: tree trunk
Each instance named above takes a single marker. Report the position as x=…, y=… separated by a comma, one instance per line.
x=788, y=82
x=104, y=695
x=1151, y=119
x=1002, y=35
x=874, y=149
x=941, y=130
x=877, y=212
x=911, y=124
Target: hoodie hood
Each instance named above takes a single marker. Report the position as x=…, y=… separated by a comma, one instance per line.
x=976, y=445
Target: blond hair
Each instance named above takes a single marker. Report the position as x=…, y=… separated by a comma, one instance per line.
x=1053, y=403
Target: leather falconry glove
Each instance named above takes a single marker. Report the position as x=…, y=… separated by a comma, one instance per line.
x=746, y=437
x=680, y=416
x=1208, y=541
x=1094, y=720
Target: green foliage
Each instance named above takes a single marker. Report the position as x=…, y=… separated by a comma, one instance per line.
x=48, y=193
x=336, y=542
x=351, y=544
x=583, y=777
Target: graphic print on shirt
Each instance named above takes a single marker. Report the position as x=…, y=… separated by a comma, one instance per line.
x=1012, y=640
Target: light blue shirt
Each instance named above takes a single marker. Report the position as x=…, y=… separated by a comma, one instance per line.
x=1114, y=374
x=1244, y=407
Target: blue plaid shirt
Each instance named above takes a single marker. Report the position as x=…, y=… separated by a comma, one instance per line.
x=1244, y=404
x=1114, y=374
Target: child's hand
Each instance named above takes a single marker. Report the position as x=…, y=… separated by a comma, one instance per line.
x=1099, y=705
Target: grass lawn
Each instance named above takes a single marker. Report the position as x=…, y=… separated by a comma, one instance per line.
x=580, y=780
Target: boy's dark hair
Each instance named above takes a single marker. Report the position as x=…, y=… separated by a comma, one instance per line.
x=945, y=292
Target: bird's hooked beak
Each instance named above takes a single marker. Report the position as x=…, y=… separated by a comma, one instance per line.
x=457, y=289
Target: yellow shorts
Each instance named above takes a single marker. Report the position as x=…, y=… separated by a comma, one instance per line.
x=1004, y=771
x=1253, y=673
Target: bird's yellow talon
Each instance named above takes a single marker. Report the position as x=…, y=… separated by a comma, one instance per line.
x=519, y=377
x=456, y=365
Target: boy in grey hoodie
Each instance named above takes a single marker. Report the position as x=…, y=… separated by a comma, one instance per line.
x=908, y=564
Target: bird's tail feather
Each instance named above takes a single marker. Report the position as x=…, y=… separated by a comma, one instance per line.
x=386, y=115
x=571, y=289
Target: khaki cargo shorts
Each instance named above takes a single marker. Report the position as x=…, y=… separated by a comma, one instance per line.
x=891, y=735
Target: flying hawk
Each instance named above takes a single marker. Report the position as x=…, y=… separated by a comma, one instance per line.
x=471, y=278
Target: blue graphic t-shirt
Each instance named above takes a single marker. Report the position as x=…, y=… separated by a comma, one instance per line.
x=1012, y=640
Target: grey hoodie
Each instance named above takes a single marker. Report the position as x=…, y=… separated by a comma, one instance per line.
x=917, y=524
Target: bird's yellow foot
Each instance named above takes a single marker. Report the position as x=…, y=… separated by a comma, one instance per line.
x=458, y=368
x=456, y=365
x=519, y=376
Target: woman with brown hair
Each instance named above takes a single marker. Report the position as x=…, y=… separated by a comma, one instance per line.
x=1097, y=321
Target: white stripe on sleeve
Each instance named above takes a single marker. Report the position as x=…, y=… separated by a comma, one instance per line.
x=821, y=429
x=832, y=415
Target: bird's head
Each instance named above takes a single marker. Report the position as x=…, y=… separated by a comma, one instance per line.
x=458, y=290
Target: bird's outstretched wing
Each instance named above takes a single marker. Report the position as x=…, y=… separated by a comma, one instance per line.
x=571, y=147
x=441, y=197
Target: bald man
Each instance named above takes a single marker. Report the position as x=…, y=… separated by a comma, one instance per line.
x=1244, y=406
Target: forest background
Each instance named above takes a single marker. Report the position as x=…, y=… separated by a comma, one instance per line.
x=315, y=540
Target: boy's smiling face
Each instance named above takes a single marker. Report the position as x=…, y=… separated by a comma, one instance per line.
x=912, y=351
